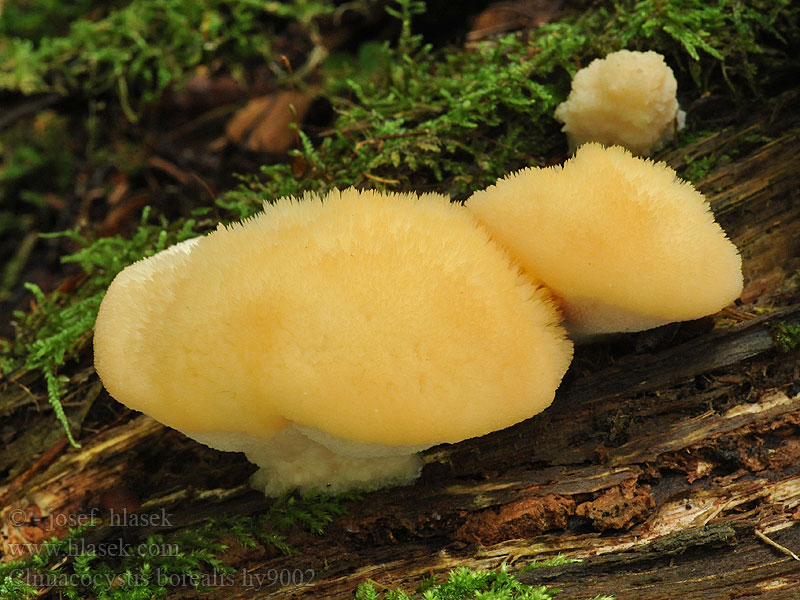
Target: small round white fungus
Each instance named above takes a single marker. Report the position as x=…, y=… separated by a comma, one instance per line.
x=626, y=99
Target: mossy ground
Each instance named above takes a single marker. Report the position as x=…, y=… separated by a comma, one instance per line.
x=86, y=101
x=469, y=583
x=108, y=568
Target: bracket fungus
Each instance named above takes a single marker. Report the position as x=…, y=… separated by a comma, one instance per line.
x=331, y=339
x=622, y=242
x=626, y=99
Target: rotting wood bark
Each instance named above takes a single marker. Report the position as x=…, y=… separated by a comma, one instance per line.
x=661, y=457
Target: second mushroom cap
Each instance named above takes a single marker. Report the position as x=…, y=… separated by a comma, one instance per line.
x=623, y=243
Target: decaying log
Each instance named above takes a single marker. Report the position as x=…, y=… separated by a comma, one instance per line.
x=669, y=462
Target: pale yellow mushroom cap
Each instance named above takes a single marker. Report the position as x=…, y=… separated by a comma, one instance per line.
x=377, y=318
x=627, y=99
x=622, y=241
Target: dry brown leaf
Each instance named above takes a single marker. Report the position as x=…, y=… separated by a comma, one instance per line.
x=263, y=124
x=508, y=16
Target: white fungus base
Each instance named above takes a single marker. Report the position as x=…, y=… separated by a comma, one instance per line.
x=293, y=460
x=665, y=137
x=589, y=319
x=627, y=98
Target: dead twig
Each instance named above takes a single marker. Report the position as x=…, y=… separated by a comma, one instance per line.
x=770, y=542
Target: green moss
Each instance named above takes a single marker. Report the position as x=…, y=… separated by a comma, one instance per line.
x=133, y=52
x=33, y=151
x=786, y=336
x=145, y=569
x=37, y=167
x=556, y=561
x=412, y=117
x=59, y=325
x=33, y=19
x=697, y=169
x=724, y=40
x=464, y=583
x=312, y=512
x=150, y=567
